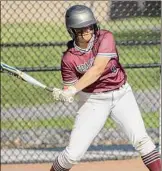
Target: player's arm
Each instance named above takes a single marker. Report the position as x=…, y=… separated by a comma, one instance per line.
x=68, y=74
x=105, y=53
x=93, y=73
x=69, y=78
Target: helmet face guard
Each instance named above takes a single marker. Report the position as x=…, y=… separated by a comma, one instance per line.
x=78, y=16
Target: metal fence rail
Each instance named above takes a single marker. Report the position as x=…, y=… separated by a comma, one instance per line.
x=34, y=128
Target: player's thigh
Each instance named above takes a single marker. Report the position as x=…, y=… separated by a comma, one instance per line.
x=90, y=119
x=127, y=115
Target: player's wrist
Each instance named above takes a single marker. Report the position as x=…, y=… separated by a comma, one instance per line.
x=73, y=89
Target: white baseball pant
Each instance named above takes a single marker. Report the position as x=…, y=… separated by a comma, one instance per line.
x=94, y=110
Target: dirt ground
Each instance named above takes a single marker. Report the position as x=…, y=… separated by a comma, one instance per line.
x=112, y=165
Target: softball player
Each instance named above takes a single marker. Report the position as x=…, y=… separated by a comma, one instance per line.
x=90, y=68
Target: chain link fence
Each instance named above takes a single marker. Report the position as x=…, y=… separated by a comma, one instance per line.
x=34, y=128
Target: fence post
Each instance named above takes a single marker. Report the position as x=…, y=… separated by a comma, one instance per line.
x=160, y=122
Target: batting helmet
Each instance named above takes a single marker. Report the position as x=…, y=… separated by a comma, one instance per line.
x=79, y=16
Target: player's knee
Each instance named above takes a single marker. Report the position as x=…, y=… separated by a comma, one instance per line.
x=144, y=144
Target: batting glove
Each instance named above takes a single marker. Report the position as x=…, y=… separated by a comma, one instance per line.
x=64, y=95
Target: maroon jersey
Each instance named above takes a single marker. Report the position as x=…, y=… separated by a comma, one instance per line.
x=76, y=61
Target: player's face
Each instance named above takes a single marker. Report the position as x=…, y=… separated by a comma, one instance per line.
x=84, y=35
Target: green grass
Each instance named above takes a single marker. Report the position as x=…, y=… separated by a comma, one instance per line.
x=139, y=54
x=132, y=23
x=15, y=92
x=51, y=56
x=135, y=28
x=33, y=32
x=32, y=57
x=141, y=28
x=144, y=79
x=67, y=123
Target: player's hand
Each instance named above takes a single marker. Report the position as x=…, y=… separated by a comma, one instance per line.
x=66, y=95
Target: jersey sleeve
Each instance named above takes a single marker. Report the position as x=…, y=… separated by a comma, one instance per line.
x=107, y=47
x=68, y=72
